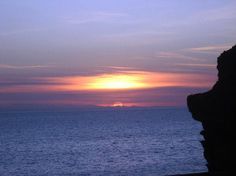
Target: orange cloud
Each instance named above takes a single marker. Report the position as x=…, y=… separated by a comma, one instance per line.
x=125, y=80
x=210, y=49
x=131, y=80
x=124, y=88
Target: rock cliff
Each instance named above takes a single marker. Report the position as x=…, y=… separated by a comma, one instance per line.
x=216, y=110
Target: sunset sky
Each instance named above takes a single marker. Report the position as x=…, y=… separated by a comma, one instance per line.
x=111, y=52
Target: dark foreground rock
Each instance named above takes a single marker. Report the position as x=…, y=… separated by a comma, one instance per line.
x=216, y=110
x=208, y=174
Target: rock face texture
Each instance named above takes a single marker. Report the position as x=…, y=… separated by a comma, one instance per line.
x=216, y=110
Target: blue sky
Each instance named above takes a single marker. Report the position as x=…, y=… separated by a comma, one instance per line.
x=41, y=38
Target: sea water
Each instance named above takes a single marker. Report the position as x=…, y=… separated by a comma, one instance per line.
x=105, y=141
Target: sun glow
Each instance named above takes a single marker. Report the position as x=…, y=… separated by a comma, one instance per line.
x=117, y=104
x=117, y=82
x=125, y=80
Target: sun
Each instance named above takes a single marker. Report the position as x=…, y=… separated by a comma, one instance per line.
x=118, y=104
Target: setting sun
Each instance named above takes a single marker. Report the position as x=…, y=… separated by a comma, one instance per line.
x=117, y=104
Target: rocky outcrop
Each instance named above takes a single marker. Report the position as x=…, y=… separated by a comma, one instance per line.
x=216, y=110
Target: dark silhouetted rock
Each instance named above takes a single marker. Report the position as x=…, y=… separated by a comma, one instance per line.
x=216, y=109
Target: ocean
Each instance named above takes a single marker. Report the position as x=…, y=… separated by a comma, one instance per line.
x=100, y=141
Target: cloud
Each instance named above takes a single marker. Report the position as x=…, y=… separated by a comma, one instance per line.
x=224, y=12
x=7, y=66
x=157, y=88
x=165, y=96
x=197, y=65
x=175, y=55
x=95, y=17
x=21, y=31
x=137, y=36
x=206, y=18
x=209, y=49
x=124, y=79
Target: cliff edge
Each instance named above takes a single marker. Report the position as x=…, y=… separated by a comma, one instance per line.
x=216, y=110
